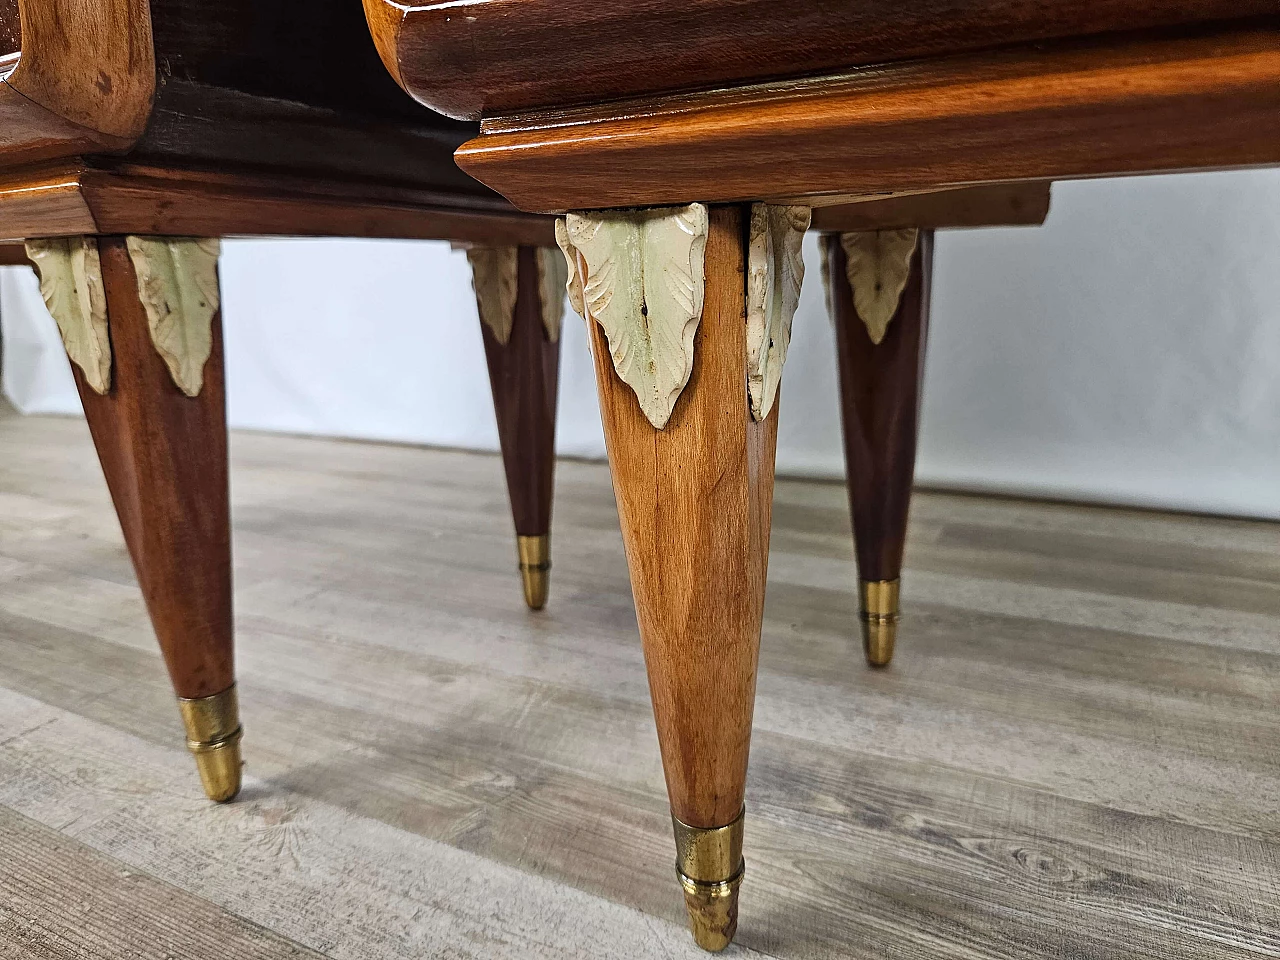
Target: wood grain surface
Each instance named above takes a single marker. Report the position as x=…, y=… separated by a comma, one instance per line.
x=469, y=58
x=119, y=912
x=880, y=386
x=524, y=374
x=1089, y=108
x=694, y=500
x=84, y=80
x=1073, y=757
x=77, y=198
x=165, y=460
x=90, y=63
x=993, y=205
x=259, y=84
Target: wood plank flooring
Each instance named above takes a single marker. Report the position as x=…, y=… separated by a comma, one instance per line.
x=1076, y=753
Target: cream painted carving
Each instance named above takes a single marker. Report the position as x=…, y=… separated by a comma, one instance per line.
x=553, y=279
x=178, y=287
x=643, y=284
x=878, y=264
x=572, y=283
x=71, y=284
x=495, y=277
x=775, y=272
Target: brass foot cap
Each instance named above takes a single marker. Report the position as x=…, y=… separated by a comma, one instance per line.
x=713, y=910
x=219, y=765
x=710, y=868
x=213, y=737
x=879, y=620
x=535, y=569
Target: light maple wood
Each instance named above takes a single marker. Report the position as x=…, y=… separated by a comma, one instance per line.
x=694, y=501
x=1050, y=746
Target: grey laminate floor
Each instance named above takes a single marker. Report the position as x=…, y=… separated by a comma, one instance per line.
x=1075, y=754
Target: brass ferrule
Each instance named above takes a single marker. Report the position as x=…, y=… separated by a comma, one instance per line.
x=213, y=737
x=710, y=868
x=535, y=568
x=534, y=552
x=879, y=600
x=709, y=854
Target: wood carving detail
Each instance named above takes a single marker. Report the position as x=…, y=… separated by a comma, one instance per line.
x=775, y=273
x=71, y=284
x=553, y=278
x=639, y=274
x=178, y=288
x=878, y=264
x=573, y=282
x=494, y=273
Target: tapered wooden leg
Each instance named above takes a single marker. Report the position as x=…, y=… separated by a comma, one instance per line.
x=879, y=293
x=163, y=448
x=694, y=499
x=520, y=293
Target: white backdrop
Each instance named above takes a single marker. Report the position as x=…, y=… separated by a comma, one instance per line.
x=1128, y=351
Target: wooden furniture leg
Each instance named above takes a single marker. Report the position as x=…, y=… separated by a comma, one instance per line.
x=694, y=500
x=520, y=296
x=879, y=301
x=140, y=320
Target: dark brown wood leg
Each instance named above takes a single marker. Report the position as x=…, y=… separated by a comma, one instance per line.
x=880, y=408
x=695, y=500
x=524, y=373
x=164, y=455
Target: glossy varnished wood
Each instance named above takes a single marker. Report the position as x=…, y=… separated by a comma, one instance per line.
x=165, y=459
x=265, y=85
x=78, y=198
x=524, y=375
x=272, y=84
x=880, y=408
x=1074, y=754
x=84, y=80
x=90, y=63
x=1096, y=107
x=694, y=501
x=472, y=58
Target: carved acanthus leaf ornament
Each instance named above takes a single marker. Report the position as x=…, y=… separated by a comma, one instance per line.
x=639, y=274
x=495, y=279
x=878, y=264
x=71, y=284
x=178, y=287
x=775, y=273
